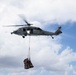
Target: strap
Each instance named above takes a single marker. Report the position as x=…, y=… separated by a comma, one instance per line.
x=29, y=48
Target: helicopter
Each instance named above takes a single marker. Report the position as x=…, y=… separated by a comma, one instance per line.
x=27, y=29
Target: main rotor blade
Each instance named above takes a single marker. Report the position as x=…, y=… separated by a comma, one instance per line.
x=14, y=25
x=22, y=16
x=27, y=22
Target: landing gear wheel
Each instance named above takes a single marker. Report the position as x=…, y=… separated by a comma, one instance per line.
x=23, y=36
x=52, y=37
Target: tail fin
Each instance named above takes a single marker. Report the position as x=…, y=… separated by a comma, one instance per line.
x=58, y=31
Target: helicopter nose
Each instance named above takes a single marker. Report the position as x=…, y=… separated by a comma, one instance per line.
x=15, y=32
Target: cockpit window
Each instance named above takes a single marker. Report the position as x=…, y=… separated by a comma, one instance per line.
x=24, y=29
x=38, y=28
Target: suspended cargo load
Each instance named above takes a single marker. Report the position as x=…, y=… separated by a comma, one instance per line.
x=28, y=64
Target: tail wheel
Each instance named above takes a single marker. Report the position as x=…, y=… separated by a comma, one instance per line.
x=52, y=37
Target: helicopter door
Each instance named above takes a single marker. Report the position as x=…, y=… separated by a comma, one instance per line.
x=24, y=31
x=31, y=32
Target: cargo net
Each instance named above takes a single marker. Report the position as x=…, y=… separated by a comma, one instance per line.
x=27, y=62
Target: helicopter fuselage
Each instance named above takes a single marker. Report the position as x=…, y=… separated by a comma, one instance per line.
x=30, y=30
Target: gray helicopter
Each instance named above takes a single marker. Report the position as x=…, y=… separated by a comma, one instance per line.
x=34, y=31
x=27, y=29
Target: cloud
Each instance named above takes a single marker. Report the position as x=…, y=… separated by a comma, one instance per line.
x=9, y=62
x=44, y=54
x=57, y=10
x=43, y=11
x=47, y=55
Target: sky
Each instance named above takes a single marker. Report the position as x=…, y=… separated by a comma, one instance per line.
x=49, y=56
